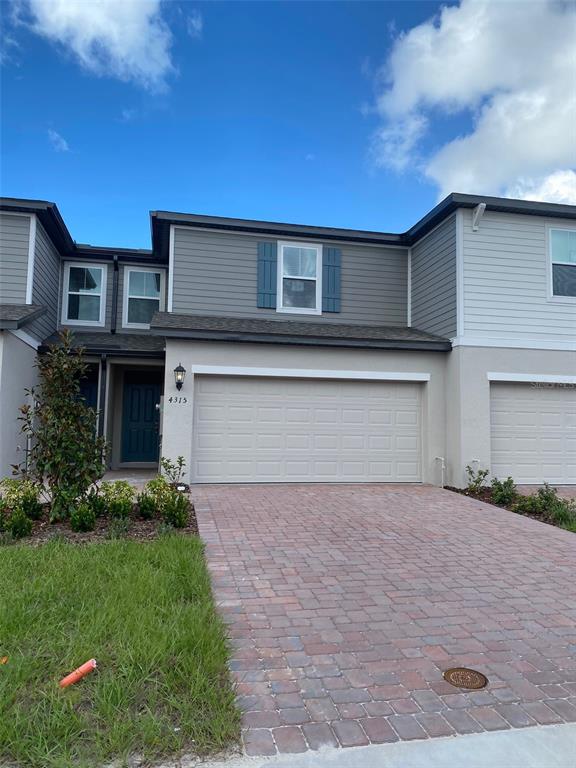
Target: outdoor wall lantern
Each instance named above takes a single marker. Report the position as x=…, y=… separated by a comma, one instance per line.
x=179, y=375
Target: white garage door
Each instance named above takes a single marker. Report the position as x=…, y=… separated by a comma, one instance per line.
x=294, y=430
x=534, y=433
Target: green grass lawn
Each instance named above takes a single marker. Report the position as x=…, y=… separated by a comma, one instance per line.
x=144, y=610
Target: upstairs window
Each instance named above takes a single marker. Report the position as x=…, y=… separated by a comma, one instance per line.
x=84, y=294
x=563, y=257
x=142, y=296
x=299, y=278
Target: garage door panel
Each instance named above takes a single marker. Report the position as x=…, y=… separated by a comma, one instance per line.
x=533, y=433
x=305, y=431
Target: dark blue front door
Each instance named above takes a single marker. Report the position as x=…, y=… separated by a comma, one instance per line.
x=140, y=417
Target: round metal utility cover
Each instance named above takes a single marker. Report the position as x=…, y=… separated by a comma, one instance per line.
x=462, y=677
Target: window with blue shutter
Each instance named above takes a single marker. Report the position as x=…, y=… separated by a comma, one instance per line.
x=267, y=275
x=331, y=277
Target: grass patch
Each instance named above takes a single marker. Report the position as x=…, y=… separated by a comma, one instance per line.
x=144, y=610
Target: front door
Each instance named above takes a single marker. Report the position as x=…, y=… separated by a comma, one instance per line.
x=140, y=416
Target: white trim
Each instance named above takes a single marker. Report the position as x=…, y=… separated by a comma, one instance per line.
x=459, y=273
x=409, y=290
x=477, y=214
x=475, y=341
x=307, y=373
x=280, y=278
x=538, y=378
x=26, y=338
x=549, y=265
x=126, y=272
x=31, y=259
x=171, y=268
x=101, y=322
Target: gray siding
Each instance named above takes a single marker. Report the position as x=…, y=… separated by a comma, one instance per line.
x=507, y=280
x=46, y=286
x=216, y=274
x=434, y=281
x=108, y=316
x=14, y=241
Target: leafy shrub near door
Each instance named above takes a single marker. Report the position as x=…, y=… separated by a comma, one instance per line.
x=504, y=491
x=118, y=498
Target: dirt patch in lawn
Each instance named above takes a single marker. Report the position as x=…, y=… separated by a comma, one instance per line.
x=107, y=527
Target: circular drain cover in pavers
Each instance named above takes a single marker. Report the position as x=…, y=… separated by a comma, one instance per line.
x=462, y=677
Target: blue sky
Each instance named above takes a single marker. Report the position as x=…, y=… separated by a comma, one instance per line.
x=256, y=110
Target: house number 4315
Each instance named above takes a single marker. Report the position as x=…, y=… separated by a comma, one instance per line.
x=178, y=400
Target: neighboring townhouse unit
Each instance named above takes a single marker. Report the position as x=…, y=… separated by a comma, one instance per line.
x=268, y=352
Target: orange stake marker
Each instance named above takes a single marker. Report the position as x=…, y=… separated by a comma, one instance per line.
x=78, y=674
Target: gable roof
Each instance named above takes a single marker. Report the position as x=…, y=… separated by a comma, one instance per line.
x=14, y=316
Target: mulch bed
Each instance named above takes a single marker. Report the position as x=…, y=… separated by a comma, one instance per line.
x=485, y=495
x=140, y=530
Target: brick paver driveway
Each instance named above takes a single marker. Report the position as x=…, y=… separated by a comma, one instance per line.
x=346, y=603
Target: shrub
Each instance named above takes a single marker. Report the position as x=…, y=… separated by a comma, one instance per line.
x=94, y=499
x=83, y=517
x=476, y=479
x=18, y=524
x=159, y=489
x=147, y=507
x=21, y=494
x=118, y=498
x=174, y=470
x=65, y=451
x=175, y=509
x=119, y=528
x=504, y=491
x=527, y=505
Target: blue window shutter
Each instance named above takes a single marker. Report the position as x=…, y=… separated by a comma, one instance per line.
x=267, y=275
x=331, y=275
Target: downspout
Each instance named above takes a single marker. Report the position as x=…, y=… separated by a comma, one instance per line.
x=113, y=319
x=102, y=394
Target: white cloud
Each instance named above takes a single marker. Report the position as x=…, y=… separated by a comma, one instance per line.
x=127, y=115
x=126, y=39
x=511, y=67
x=195, y=24
x=59, y=143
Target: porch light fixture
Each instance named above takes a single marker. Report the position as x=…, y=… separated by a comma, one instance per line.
x=179, y=375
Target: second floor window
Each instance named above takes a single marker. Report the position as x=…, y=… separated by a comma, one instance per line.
x=142, y=296
x=563, y=256
x=299, y=278
x=84, y=294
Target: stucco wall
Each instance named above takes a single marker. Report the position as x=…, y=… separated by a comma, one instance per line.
x=16, y=372
x=178, y=416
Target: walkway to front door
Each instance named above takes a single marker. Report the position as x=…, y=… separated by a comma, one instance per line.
x=140, y=416
x=345, y=604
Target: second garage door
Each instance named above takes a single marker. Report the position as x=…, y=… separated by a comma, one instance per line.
x=294, y=430
x=533, y=432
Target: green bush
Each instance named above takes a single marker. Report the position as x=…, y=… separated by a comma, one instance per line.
x=21, y=494
x=96, y=502
x=147, y=507
x=527, y=505
x=159, y=489
x=83, y=517
x=18, y=524
x=174, y=470
x=118, y=498
x=504, y=491
x=119, y=528
x=175, y=509
x=476, y=479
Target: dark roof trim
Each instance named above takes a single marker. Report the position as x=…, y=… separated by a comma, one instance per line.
x=90, y=349
x=105, y=253
x=21, y=315
x=49, y=216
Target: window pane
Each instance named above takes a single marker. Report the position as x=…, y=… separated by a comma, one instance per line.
x=83, y=307
x=85, y=279
x=136, y=285
x=144, y=284
x=563, y=245
x=141, y=310
x=564, y=280
x=299, y=262
x=152, y=283
x=300, y=293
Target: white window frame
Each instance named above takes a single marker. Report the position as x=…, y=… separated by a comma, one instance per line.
x=550, y=262
x=126, y=297
x=66, y=292
x=318, y=279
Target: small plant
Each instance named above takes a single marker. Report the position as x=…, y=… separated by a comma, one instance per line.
x=175, y=510
x=147, y=506
x=18, y=524
x=174, y=470
x=21, y=494
x=118, y=498
x=527, y=505
x=504, y=491
x=83, y=517
x=476, y=479
x=158, y=488
x=96, y=501
x=165, y=529
x=119, y=528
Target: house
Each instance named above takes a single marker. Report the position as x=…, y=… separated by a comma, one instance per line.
x=268, y=352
